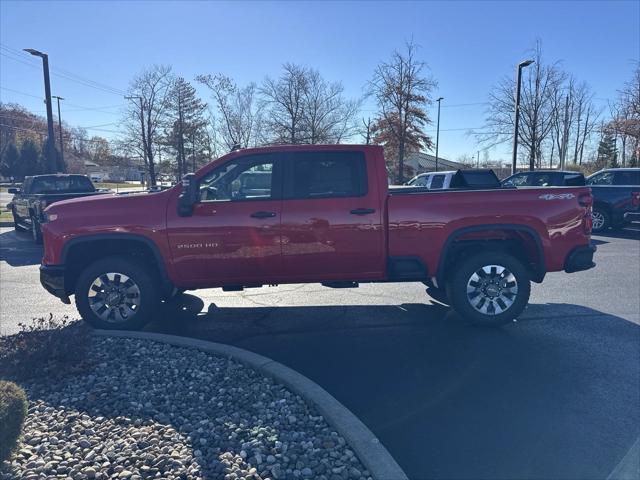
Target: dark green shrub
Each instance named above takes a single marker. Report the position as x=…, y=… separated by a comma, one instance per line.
x=46, y=347
x=13, y=409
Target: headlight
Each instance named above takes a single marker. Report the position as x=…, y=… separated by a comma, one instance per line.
x=49, y=217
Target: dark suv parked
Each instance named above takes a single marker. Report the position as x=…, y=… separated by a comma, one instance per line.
x=616, y=197
x=545, y=178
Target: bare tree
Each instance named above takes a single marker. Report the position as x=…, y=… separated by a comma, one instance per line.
x=239, y=112
x=327, y=115
x=402, y=93
x=539, y=107
x=626, y=115
x=284, y=100
x=146, y=115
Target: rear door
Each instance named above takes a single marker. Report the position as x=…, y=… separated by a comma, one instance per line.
x=332, y=218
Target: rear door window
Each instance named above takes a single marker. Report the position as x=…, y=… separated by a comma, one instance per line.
x=626, y=178
x=437, y=182
x=325, y=175
x=604, y=178
x=518, y=180
x=541, y=179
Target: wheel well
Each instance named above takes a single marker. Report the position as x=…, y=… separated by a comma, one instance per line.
x=520, y=244
x=81, y=254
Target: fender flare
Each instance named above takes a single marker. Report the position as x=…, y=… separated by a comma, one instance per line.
x=164, y=277
x=541, y=269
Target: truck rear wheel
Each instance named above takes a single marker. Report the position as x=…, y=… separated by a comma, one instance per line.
x=16, y=222
x=116, y=293
x=601, y=220
x=36, y=233
x=490, y=289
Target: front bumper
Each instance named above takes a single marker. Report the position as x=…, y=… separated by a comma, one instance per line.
x=580, y=258
x=52, y=279
x=632, y=217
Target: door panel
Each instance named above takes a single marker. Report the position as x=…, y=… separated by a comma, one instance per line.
x=233, y=235
x=335, y=230
x=222, y=243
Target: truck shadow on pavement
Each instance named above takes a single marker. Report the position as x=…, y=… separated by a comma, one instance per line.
x=558, y=390
x=18, y=249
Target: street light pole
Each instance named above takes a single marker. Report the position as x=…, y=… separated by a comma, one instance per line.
x=60, y=129
x=50, y=148
x=521, y=65
x=438, y=131
x=144, y=148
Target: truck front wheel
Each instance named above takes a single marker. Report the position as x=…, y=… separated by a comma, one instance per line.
x=490, y=289
x=116, y=293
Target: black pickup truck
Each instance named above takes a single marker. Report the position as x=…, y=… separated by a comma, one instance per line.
x=616, y=197
x=40, y=191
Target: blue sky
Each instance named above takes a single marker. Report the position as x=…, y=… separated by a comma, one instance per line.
x=468, y=46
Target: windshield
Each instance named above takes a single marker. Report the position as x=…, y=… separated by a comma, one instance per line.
x=69, y=184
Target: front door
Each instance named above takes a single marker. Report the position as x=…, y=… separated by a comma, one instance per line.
x=233, y=236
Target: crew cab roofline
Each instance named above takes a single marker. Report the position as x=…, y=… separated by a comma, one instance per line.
x=540, y=265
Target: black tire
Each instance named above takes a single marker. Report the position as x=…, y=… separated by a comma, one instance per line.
x=515, y=301
x=16, y=222
x=601, y=220
x=147, y=294
x=36, y=233
x=438, y=294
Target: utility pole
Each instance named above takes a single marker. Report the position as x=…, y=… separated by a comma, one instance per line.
x=60, y=129
x=565, y=134
x=438, y=131
x=514, y=160
x=144, y=143
x=478, y=158
x=49, y=148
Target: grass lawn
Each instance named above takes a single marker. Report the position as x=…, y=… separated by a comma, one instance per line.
x=5, y=215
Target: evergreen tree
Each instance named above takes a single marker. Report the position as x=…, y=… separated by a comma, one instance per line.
x=31, y=158
x=11, y=166
x=188, y=113
x=607, y=151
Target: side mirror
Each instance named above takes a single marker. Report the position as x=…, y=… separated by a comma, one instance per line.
x=13, y=191
x=188, y=197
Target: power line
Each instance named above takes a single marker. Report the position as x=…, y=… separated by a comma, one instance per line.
x=19, y=57
x=79, y=107
x=21, y=93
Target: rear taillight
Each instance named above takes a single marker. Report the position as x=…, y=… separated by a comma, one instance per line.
x=635, y=198
x=585, y=199
x=587, y=223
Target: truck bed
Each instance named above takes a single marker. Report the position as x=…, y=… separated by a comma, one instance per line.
x=425, y=221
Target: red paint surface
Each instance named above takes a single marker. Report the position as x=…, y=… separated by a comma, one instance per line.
x=313, y=240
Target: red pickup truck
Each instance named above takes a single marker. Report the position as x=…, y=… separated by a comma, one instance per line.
x=301, y=214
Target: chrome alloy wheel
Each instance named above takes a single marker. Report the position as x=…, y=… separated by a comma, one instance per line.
x=598, y=220
x=114, y=297
x=492, y=289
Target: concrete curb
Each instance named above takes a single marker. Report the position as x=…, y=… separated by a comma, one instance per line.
x=629, y=466
x=6, y=224
x=370, y=451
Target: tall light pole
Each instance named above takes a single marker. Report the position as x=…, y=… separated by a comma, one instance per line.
x=144, y=147
x=50, y=148
x=60, y=128
x=438, y=131
x=521, y=65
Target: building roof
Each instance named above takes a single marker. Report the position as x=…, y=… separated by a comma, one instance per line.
x=427, y=162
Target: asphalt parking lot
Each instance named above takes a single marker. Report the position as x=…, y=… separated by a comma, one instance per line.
x=555, y=395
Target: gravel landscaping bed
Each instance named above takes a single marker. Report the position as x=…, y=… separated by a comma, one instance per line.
x=149, y=410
